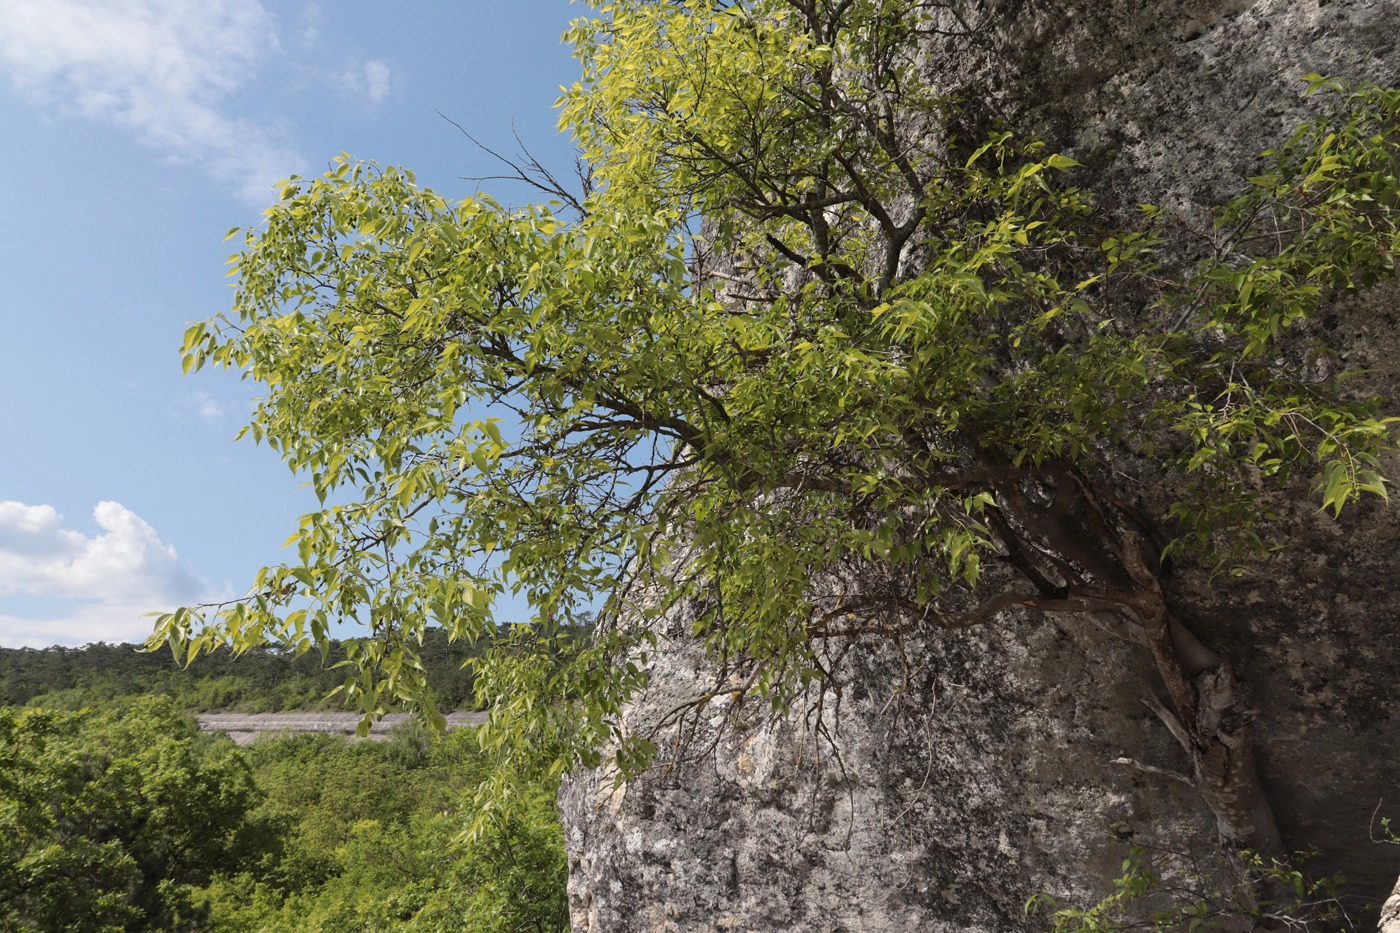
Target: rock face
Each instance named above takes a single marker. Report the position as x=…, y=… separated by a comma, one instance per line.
x=947, y=781
x=1390, y=913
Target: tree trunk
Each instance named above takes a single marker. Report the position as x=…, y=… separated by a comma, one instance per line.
x=1209, y=720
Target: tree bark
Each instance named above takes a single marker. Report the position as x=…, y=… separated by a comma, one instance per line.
x=1210, y=722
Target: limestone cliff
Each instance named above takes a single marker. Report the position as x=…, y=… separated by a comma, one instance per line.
x=953, y=777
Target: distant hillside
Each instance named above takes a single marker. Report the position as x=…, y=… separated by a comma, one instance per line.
x=259, y=681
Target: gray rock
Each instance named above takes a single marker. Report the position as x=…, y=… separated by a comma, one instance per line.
x=948, y=782
x=1390, y=913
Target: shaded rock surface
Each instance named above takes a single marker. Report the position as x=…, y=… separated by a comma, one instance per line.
x=946, y=783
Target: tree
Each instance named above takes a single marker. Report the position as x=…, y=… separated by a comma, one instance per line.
x=110, y=819
x=371, y=840
x=895, y=381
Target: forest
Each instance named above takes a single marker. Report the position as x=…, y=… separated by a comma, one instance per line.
x=123, y=816
x=263, y=680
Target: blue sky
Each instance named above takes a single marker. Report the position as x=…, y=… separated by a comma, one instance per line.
x=137, y=133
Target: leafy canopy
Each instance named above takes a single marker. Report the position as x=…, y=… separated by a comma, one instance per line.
x=898, y=333
x=369, y=840
x=111, y=819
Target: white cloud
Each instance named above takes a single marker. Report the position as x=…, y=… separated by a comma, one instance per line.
x=160, y=68
x=202, y=405
x=209, y=409
x=309, y=25
x=376, y=80
x=371, y=81
x=98, y=586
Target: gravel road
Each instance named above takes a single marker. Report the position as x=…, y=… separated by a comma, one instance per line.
x=245, y=727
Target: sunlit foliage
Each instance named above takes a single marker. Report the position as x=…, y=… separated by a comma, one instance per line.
x=905, y=349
